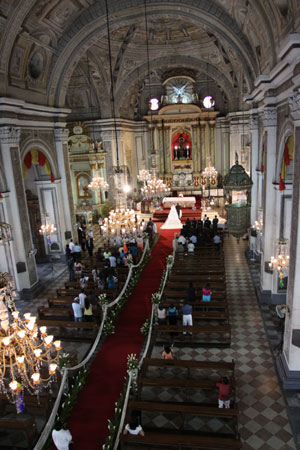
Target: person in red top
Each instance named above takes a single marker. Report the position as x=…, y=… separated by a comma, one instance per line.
x=224, y=393
x=206, y=293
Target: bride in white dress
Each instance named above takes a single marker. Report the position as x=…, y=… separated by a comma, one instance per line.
x=173, y=221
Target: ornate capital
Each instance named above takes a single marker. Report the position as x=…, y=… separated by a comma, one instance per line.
x=61, y=134
x=10, y=135
x=294, y=104
x=269, y=116
x=253, y=122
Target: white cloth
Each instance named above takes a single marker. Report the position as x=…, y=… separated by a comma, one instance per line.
x=61, y=439
x=136, y=431
x=173, y=221
x=182, y=201
x=82, y=297
x=77, y=309
x=71, y=247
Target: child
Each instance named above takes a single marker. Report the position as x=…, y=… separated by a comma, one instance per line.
x=206, y=293
x=224, y=393
x=167, y=352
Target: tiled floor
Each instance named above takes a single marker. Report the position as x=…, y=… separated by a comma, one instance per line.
x=263, y=420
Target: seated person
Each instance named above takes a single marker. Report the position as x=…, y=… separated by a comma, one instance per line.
x=191, y=247
x=206, y=293
x=167, y=352
x=181, y=240
x=217, y=241
x=134, y=427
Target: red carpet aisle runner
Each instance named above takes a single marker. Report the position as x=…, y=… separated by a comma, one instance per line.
x=96, y=402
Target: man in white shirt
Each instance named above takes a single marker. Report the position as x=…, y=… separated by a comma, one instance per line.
x=82, y=298
x=191, y=247
x=71, y=246
x=181, y=240
x=61, y=438
x=77, y=310
x=193, y=239
x=113, y=261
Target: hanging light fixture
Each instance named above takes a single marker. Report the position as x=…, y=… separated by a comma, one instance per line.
x=98, y=183
x=209, y=177
x=144, y=175
x=280, y=262
x=28, y=356
x=155, y=188
x=5, y=233
x=47, y=228
x=121, y=222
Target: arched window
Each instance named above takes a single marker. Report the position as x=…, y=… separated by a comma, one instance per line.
x=36, y=157
x=286, y=165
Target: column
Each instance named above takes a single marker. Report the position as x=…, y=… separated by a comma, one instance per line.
x=254, y=165
x=195, y=148
x=25, y=272
x=61, y=144
x=202, y=145
x=212, y=146
x=107, y=145
x=288, y=363
x=269, y=119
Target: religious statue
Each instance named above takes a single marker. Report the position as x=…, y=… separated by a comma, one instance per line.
x=182, y=149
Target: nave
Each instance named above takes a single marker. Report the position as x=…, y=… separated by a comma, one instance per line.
x=263, y=422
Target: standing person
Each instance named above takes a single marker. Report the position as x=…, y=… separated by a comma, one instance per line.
x=95, y=274
x=187, y=318
x=100, y=223
x=90, y=246
x=178, y=209
x=161, y=315
x=88, y=311
x=206, y=293
x=78, y=268
x=77, y=252
x=224, y=393
x=217, y=242
x=82, y=297
x=172, y=315
x=61, y=438
x=71, y=269
x=191, y=292
x=113, y=261
x=215, y=224
x=71, y=246
x=77, y=310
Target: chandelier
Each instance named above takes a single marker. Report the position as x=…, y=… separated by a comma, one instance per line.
x=28, y=356
x=47, y=228
x=259, y=223
x=210, y=175
x=144, y=175
x=5, y=232
x=155, y=188
x=98, y=183
x=121, y=222
x=281, y=261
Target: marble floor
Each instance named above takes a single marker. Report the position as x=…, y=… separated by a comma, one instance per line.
x=263, y=419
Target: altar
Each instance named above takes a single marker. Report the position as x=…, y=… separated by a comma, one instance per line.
x=184, y=202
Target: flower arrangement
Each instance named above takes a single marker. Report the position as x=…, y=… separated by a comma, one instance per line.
x=129, y=259
x=170, y=260
x=103, y=300
x=132, y=362
x=146, y=327
x=155, y=298
x=63, y=360
x=108, y=327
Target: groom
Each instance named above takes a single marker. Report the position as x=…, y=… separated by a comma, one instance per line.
x=178, y=209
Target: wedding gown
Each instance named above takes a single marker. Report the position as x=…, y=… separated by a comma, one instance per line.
x=173, y=221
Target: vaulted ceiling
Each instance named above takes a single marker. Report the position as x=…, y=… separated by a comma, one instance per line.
x=58, y=49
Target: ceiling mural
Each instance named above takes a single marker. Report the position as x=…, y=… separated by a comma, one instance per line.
x=58, y=49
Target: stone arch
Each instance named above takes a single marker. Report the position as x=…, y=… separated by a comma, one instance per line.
x=287, y=130
x=40, y=145
x=70, y=52
x=184, y=62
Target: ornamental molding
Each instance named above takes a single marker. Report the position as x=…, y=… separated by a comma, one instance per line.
x=269, y=116
x=253, y=122
x=61, y=134
x=10, y=135
x=294, y=104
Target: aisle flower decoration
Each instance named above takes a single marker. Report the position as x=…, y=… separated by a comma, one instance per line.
x=146, y=327
x=156, y=298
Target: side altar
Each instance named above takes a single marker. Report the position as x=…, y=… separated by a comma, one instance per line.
x=182, y=136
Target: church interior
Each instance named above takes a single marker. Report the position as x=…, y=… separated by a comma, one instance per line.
x=124, y=124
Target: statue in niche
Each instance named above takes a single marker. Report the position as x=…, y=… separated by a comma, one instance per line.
x=182, y=149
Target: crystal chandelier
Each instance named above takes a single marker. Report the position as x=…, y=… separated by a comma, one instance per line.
x=210, y=174
x=5, y=232
x=98, y=183
x=281, y=261
x=28, y=356
x=144, y=175
x=47, y=228
x=121, y=222
x=155, y=188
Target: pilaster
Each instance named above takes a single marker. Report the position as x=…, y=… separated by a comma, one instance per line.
x=254, y=164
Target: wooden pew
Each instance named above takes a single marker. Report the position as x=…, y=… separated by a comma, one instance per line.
x=172, y=293
x=189, y=364
x=42, y=405
x=75, y=292
x=62, y=313
x=162, y=439
x=201, y=278
x=224, y=332
x=90, y=329
x=213, y=305
x=26, y=425
x=196, y=270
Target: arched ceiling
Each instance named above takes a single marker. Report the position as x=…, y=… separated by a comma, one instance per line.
x=58, y=49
